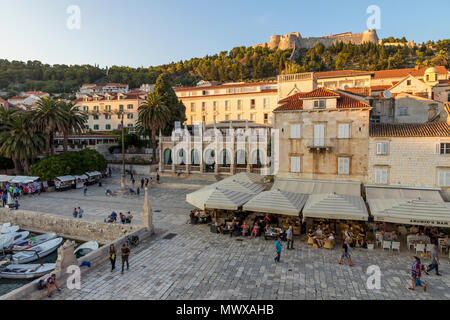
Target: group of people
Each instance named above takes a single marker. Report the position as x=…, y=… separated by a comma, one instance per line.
x=320, y=235
x=77, y=213
x=123, y=218
x=112, y=253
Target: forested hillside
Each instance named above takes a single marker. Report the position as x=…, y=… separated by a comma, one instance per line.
x=239, y=64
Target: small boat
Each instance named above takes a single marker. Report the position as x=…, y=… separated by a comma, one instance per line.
x=44, y=249
x=85, y=248
x=35, y=241
x=26, y=271
x=6, y=241
x=6, y=224
x=8, y=229
x=19, y=236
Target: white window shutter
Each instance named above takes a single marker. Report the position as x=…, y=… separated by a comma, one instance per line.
x=438, y=148
x=385, y=147
x=377, y=176
x=385, y=176
x=378, y=147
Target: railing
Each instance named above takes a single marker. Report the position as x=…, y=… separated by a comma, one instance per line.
x=315, y=144
x=295, y=77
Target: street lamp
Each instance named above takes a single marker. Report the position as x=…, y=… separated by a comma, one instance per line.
x=123, y=179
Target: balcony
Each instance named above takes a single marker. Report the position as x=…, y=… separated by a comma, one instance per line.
x=321, y=145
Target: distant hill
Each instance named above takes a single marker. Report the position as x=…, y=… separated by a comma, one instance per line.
x=238, y=64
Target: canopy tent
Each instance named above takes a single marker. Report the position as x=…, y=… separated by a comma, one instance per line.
x=216, y=198
x=243, y=186
x=408, y=206
x=65, y=178
x=23, y=179
x=93, y=174
x=5, y=178
x=335, y=206
x=277, y=201
x=81, y=177
x=318, y=186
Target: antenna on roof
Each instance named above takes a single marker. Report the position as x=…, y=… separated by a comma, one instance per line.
x=387, y=94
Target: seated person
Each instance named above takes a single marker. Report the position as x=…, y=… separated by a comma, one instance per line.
x=219, y=227
x=319, y=232
x=394, y=236
x=255, y=231
x=331, y=236
x=310, y=233
x=362, y=238
x=108, y=192
x=113, y=215
x=51, y=282
x=231, y=227
x=128, y=218
x=16, y=205
x=269, y=228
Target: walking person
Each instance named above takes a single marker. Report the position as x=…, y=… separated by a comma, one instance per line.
x=80, y=212
x=85, y=189
x=125, y=254
x=434, y=261
x=138, y=191
x=290, y=238
x=112, y=256
x=278, y=248
x=142, y=183
x=133, y=181
x=75, y=213
x=416, y=273
x=346, y=253
x=4, y=198
x=157, y=177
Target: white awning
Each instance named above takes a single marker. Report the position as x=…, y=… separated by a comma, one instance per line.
x=335, y=206
x=23, y=179
x=65, y=178
x=408, y=206
x=318, y=186
x=277, y=201
x=93, y=173
x=216, y=198
x=5, y=178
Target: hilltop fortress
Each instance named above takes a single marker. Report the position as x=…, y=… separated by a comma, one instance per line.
x=295, y=41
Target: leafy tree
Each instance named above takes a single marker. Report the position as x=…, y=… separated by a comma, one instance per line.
x=74, y=120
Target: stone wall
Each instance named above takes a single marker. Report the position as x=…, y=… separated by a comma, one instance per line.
x=66, y=227
x=140, y=169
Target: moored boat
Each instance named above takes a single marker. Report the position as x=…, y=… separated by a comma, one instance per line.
x=43, y=250
x=85, y=248
x=26, y=271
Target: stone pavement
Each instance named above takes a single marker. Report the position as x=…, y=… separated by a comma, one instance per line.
x=196, y=264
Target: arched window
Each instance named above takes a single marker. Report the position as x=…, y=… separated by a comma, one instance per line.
x=210, y=157
x=195, y=157
x=181, y=157
x=168, y=156
x=241, y=158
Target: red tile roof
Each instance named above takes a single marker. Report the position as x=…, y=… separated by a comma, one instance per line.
x=400, y=73
x=342, y=73
x=380, y=88
x=435, y=129
x=37, y=93
x=295, y=102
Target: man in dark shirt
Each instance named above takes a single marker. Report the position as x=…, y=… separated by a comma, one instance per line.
x=125, y=254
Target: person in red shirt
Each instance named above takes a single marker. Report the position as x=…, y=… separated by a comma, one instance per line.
x=245, y=228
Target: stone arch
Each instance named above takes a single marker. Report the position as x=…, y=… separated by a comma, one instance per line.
x=225, y=158
x=241, y=157
x=168, y=156
x=210, y=156
x=180, y=156
x=195, y=157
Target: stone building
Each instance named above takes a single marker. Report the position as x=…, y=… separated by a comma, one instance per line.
x=105, y=111
x=91, y=89
x=323, y=135
x=415, y=155
x=227, y=147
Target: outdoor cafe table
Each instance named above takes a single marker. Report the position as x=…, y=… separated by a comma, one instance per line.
x=411, y=239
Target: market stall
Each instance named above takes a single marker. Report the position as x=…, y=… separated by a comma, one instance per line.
x=64, y=182
x=80, y=181
x=28, y=184
x=93, y=176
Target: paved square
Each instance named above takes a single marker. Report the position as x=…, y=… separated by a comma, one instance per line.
x=197, y=264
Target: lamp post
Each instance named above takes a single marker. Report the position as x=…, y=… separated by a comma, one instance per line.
x=123, y=179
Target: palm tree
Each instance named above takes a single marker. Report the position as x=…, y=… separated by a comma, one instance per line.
x=6, y=116
x=20, y=142
x=49, y=118
x=153, y=116
x=74, y=121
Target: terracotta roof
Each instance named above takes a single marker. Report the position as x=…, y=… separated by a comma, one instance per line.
x=342, y=73
x=231, y=85
x=400, y=73
x=37, y=93
x=18, y=98
x=317, y=93
x=380, y=88
x=435, y=129
x=344, y=101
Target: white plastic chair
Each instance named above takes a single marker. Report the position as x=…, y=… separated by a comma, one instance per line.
x=396, y=246
x=442, y=244
x=387, y=245
x=429, y=247
x=420, y=247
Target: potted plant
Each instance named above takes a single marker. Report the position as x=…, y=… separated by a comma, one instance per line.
x=370, y=241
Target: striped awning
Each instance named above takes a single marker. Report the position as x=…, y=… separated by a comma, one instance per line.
x=217, y=198
x=335, y=206
x=277, y=201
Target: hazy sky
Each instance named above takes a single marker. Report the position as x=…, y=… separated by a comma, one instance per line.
x=153, y=32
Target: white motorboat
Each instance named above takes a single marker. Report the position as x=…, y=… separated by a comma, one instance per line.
x=6, y=241
x=26, y=271
x=35, y=241
x=44, y=249
x=8, y=229
x=19, y=236
x=85, y=248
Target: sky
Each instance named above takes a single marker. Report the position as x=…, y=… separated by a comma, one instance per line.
x=146, y=33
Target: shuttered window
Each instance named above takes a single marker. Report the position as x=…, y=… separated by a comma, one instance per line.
x=344, y=130
x=381, y=175
x=295, y=131
x=382, y=148
x=343, y=165
x=444, y=178
x=295, y=164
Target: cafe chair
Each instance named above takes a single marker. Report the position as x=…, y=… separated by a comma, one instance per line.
x=387, y=245
x=328, y=244
x=310, y=240
x=429, y=247
x=420, y=247
x=396, y=246
x=442, y=244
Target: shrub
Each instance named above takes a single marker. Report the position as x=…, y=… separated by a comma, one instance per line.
x=69, y=163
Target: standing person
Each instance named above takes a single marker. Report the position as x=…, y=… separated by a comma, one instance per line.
x=4, y=198
x=434, y=261
x=416, y=273
x=138, y=190
x=133, y=181
x=75, y=213
x=112, y=256
x=125, y=254
x=157, y=177
x=290, y=238
x=346, y=253
x=142, y=183
x=278, y=247
x=85, y=189
x=80, y=212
